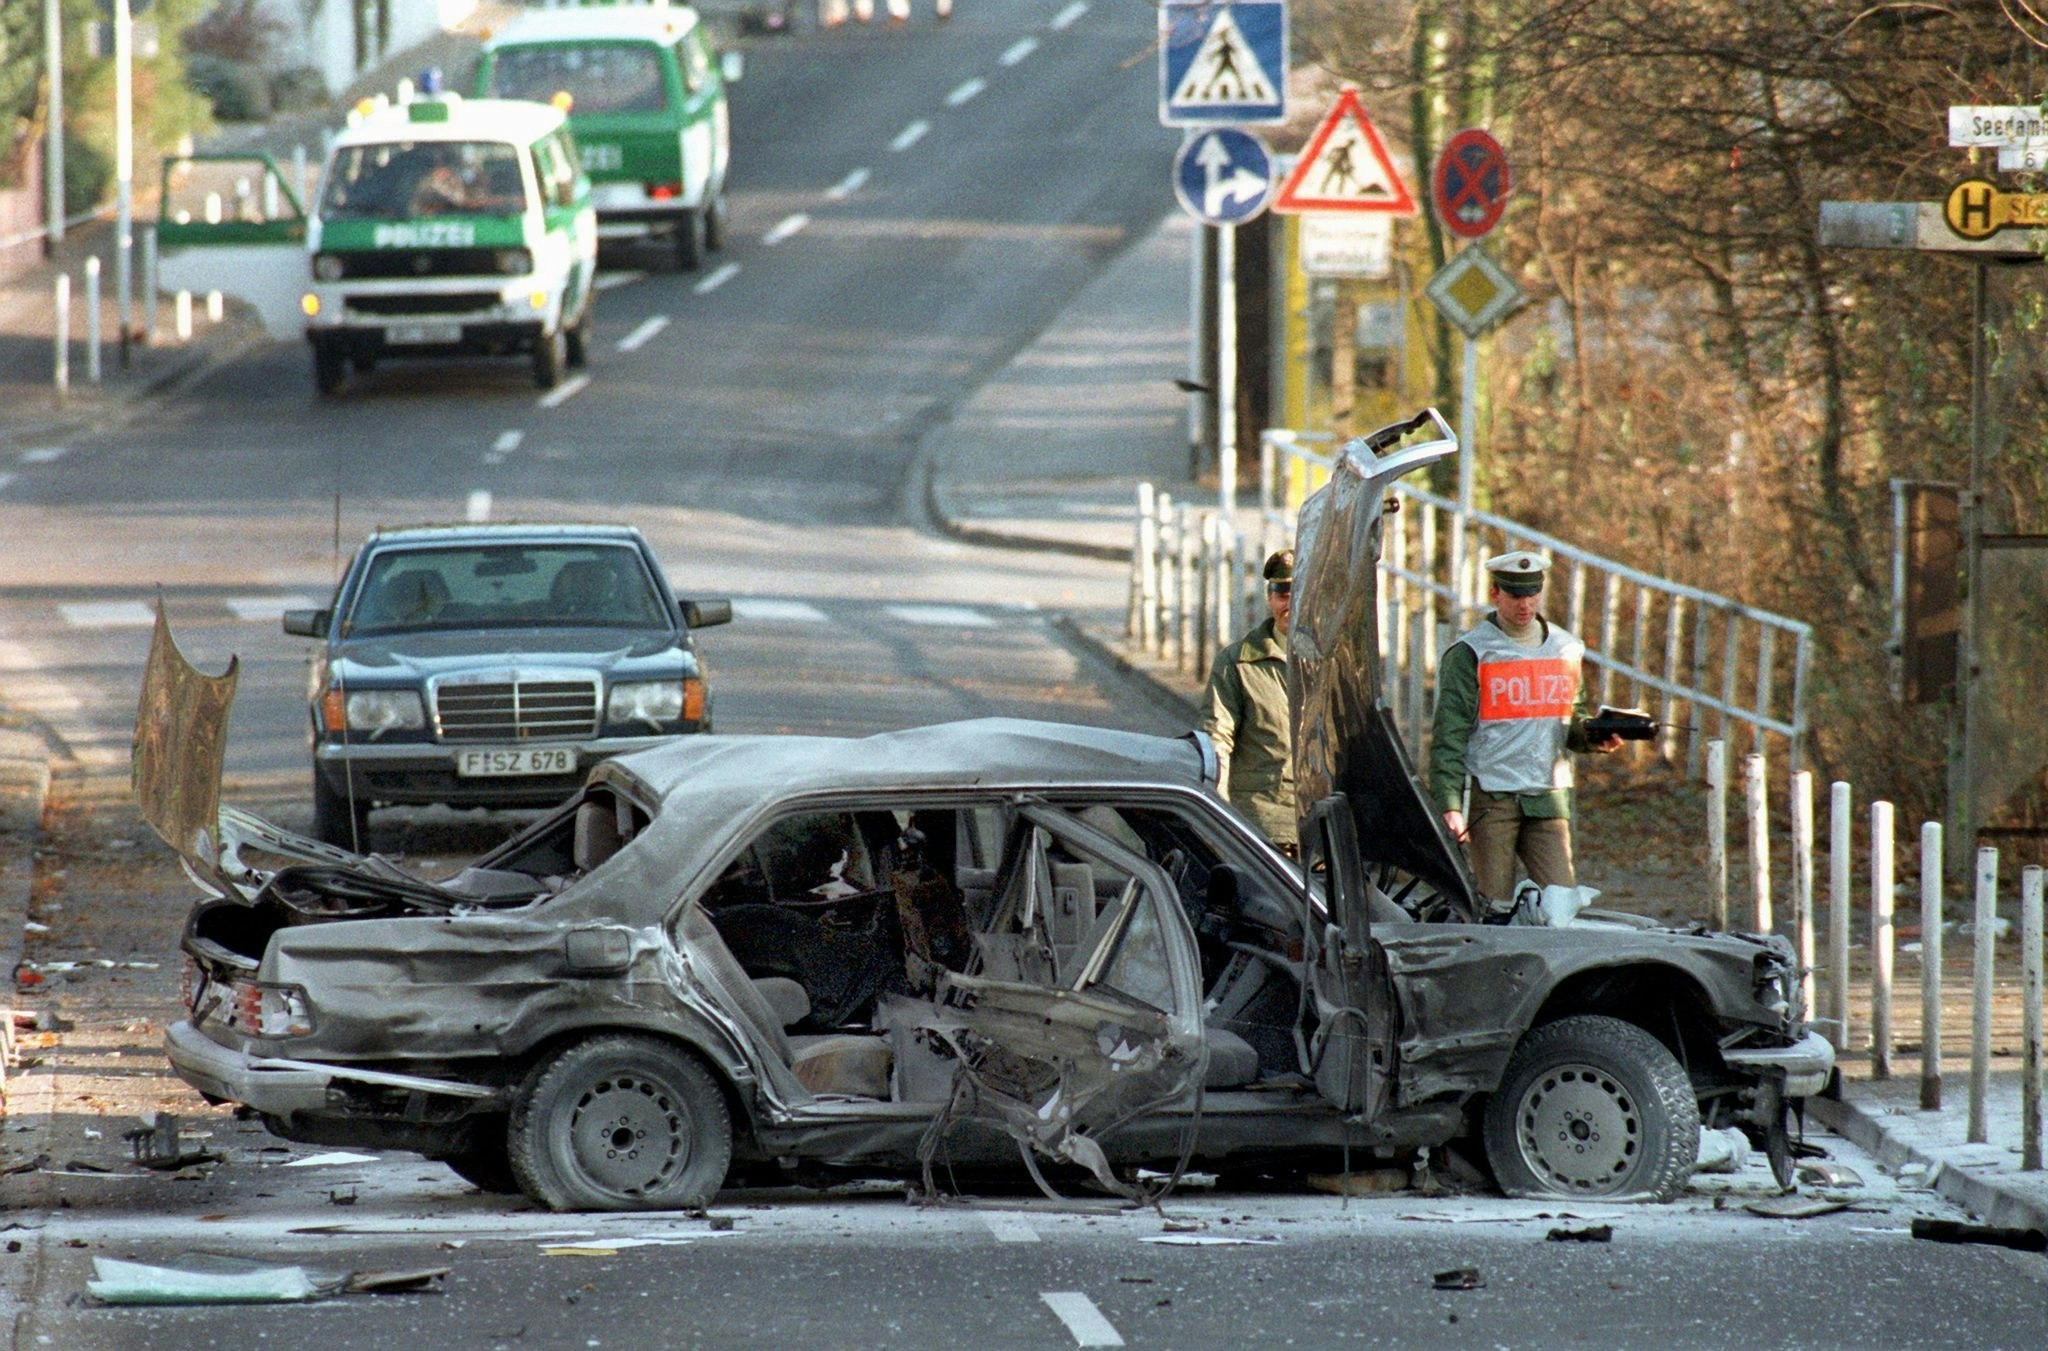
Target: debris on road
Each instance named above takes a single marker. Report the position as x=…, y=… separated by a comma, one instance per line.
x=1820, y=1174
x=1370, y=1182
x=210, y=1278
x=1957, y=1231
x=1212, y=1240
x=1722, y=1151
x=1591, y=1233
x=1458, y=1278
x=161, y=1145
x=1796, y=1207
x=329, y=1160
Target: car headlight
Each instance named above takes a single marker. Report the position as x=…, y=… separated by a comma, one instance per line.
x=380, y=711
x=514, y=262
x=650, y=701
x=327, y=267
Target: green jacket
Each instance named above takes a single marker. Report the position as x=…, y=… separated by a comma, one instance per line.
x=1247, y=717
x=1457, y=709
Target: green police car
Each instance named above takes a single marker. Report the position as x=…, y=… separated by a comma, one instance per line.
x=647, y=103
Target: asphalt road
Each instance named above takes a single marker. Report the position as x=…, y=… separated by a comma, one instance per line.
x=898, y=230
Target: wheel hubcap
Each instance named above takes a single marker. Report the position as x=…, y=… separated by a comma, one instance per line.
x=629, y=1134
x=1580, y=1130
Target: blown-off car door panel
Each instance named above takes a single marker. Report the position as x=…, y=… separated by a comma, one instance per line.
x=1352, y=1053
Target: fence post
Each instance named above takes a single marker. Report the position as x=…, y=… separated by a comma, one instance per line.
x=1143, y=577
x=1984, y=940
x=1839, y=844
x=2030, y=1020
x=92, y=319
x=1802, y=885
x=1184, y=587
x=1758, y=808
x=1717, y=831
x=1702, y=636
x=1674, y=644
x=1226, y=581
x=1881, y=940
x=60, y=358
x=181, y=315
x=1930, y=966
x=1168, y=550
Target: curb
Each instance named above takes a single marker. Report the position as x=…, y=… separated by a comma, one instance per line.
x=197, y=360
x=1980, y=1196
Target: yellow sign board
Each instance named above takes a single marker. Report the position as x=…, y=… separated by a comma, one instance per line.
x=1976, y=209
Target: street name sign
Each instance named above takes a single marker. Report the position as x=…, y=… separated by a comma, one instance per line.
x=1352, y=244
x=2019, y=132
x=1471, y=184
x=1222, y=62
x=1223, y=176
x=1474, y=292
x=1345, y=167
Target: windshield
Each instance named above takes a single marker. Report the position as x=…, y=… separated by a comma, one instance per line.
x=506, y=586
x=403, y=180
x=600, y=77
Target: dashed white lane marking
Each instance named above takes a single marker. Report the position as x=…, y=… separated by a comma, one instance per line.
x=15, y=657
x=950, y=616
x=1010, y=1229
x=565, y=391
x=1084, y=1321
x=644, y=334
x=607, y=280
x=1066, y=17
x=966, y=90
x=910, y=135
x=479, y=507
x=266, y=608
x=790, y=611
x=786, y=227
x=1019, y=49
x=508, y=441
x=42, y=454
x=848, y=185
x=725, y=273
x=5, y=479
x=107, y=614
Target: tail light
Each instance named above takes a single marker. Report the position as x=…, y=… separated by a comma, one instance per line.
x=664, y=192
x=270, y=1011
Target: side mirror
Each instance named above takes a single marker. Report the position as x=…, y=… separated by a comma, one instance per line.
x=307, y=623
x=702, y=614
x=731, y=66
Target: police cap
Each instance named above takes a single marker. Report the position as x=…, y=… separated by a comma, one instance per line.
x=1519, y=573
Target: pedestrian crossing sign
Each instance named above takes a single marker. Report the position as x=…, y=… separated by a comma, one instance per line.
x=1345, y=167
x=1222, y=62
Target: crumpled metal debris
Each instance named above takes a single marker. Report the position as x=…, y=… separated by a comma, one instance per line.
x=1956, y=1231
x=159, y=1145
x=1458, y=1278
x=212, y=1278
x=1591, y=1233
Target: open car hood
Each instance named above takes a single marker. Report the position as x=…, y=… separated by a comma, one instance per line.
x=1344, y=738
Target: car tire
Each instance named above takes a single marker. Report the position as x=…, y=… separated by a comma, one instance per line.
x=550, y=357
x=690, y=241
x=486, y=1161
x=714, y=221
x=1592, y=1106
x=330, y=368
x=578, y=350
x=621, y=1123
x=337, y=821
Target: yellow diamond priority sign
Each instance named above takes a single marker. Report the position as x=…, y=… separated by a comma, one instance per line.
x=1474, y=292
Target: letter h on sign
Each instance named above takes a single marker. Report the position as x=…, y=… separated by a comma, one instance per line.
x=1974, y=207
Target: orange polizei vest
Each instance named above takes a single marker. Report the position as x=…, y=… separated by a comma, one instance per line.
x=1525, y=704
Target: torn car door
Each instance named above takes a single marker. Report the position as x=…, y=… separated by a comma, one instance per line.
x=1116, y=1028
x=1351, y=1053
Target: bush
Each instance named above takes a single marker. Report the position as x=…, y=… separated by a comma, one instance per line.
x=300, y=89
x=238, y=91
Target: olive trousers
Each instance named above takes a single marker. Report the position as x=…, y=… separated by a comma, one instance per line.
x=1500, y=835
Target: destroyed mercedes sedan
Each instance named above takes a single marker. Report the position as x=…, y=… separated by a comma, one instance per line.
x=964, y=947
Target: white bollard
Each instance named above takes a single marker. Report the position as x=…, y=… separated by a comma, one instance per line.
x=2030, y=1020
x=216, y=307
x=60, y=369
x=1144, y=572
x=1839, y=844
x=92, y=320
x=1802, y=885
x=1717, y=831
x=181, y=316
x=149, y=285
x=1881, y=940
x=1930, y=966
x=1757, y=807
x=1985, y=926
x=1184, y=588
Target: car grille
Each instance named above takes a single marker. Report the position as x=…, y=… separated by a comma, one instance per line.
x=458, y=302
x=418, y=263
x=515, y=709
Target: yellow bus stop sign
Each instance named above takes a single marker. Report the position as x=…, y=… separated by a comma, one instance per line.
x=1976, y=209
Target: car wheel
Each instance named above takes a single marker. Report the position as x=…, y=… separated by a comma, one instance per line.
x=621, y=1123
x=485, y=1162
x=550, y=357
x=714, y=222
x=1592, y=1106
x=579, y=338
x=690, y=241
x=338, y=821
x=330, y=368
x=363, y=362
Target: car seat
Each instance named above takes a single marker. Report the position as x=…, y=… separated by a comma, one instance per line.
x=413, y=596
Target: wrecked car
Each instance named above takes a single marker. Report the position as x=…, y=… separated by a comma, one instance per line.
x=972, y=946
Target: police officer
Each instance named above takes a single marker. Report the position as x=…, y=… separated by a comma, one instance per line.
x=1247, y=715
x=1510, y=702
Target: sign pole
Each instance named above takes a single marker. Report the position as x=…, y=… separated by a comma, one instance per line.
x=1962, y=795
x=1468, y=417
x=124, y=163
x=53, y=151
x=1226, y=375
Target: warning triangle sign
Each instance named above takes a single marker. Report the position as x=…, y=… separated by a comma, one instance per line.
x=1225, y=71
x=1345, y=167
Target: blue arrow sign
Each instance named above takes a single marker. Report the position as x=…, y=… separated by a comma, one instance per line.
x=1223, y=176
x=1222, y=62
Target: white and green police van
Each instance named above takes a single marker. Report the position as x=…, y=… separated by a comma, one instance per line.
x=441, y=227
x=647, y=102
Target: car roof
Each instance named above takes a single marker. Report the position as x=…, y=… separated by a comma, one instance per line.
x=650, y=23
x=515, y=121
x=503, y=532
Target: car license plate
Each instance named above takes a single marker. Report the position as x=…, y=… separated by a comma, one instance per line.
x=409, y=335
x=527, y=760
